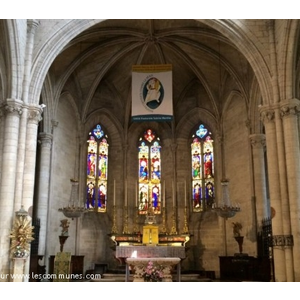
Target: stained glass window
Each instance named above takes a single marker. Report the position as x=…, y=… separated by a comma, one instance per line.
x=149, y=189
x=97, y=166
x=202, y=152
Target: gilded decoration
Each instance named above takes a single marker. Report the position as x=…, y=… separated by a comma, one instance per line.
x=21, y=236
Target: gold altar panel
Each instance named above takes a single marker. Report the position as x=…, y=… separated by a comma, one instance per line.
x=150, y=235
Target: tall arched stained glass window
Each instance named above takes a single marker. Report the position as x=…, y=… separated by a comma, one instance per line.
x=97, y=166
x=149, y=189
x=202, y=152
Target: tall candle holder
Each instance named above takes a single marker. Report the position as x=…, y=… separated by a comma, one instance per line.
x=164, y=229
x=114, y=227
x=135, y=228
x=62, y=240
x=125, y=228
x=173, y=229
x=185, y=228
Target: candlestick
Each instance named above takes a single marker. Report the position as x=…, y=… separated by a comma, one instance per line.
x=185, y=193
x=114, y=192
x=164, y=194
x=173, y=188
x=136, y=194
x=125, y=192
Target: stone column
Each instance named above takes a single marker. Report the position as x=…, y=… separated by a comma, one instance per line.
x=289, y=111
x=268, y=117
x=21, y=159
x=34, y=117
x=174, y=191
x=54, y=125
x=1, y=136
x=43, y=188
x=285, y=212
x=12, y=110
x=258, y=142
x=31, y=29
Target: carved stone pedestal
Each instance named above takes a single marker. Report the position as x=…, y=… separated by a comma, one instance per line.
x=240, y=240
x=138, y=265
x=18, y=269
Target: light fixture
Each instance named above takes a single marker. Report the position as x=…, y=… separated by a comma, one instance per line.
x=225, y=209
x=73, y=210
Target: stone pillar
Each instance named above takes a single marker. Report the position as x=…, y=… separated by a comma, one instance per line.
x=289, y=110
x=43, y=188
x=12, y=110
x=285, y=212
x=31, y=29
x=21, y=159
x=268, y=117
x=258, y=142
x=54, y=125
x=34, y=117
x=1, y=137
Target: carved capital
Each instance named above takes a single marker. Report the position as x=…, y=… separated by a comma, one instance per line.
x=258, y=140
x=45, y=139
x=32, y=25
x=267, y=114
x=13, y=106
x=35, y=114
x=54, y=123
x=248, y=124
x=289, y=108
x=282, y=240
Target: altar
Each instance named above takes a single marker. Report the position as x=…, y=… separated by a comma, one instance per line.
x=142, y=254
x=136, y=250
x=164, y=265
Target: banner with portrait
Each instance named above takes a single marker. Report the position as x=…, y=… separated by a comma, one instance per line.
x=152, y=97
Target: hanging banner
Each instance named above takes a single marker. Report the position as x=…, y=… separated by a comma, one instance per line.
x=152, y=97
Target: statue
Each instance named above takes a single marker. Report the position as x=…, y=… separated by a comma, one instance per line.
x=237, y=227
x=65, y=223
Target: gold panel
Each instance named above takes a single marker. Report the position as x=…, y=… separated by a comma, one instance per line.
x=150, y=234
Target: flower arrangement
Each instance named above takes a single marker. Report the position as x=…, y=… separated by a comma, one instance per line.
x=152, y=273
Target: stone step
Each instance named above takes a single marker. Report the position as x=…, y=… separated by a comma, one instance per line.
x=111, y=277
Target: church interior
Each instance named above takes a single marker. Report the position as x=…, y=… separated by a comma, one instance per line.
x=209, y=193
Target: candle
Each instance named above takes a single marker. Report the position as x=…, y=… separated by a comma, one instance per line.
x=136, y=194
x=164, y=194
x=114, y=192
x=185, y=193
x=173, y=188
x=125, y=192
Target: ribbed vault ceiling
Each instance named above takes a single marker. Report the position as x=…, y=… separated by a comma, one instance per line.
x=104, y=54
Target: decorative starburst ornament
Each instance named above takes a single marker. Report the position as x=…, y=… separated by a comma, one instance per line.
x=21, y=235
